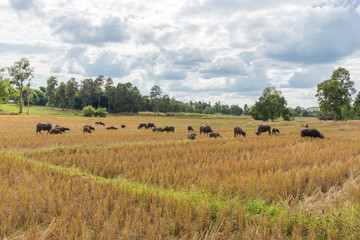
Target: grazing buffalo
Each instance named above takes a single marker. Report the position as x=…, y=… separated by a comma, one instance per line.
x=239, y=131
x=263, y=128
x=191, y=136
x=100, y=123
x=90, y=127
x=157, y=129
x=205, y=129
x=311, y=132
x=190, y=128
x=215, y=135
x=275, y=130
x=150, y=125
x=43, y=127
x=142, y=125
x=62, y=129
x=55, y=131
x=122, y=125
x=86, y=129
x=168, y=129
x=111, y=128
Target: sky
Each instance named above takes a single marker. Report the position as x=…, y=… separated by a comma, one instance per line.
x=199, y=50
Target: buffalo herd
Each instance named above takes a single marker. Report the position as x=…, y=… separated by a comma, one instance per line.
x=206, y=129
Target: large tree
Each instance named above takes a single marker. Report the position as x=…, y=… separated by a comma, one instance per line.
x=4, y=90
x=155, y=95
x=334, y=94
x=61, y=94
x=271, y=105
x=110, y=92
x=21, y=72
x=99, y=81
x=87, y=90
x=70, y=92
x=51, y=90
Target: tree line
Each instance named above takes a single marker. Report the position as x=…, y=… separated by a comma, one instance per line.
x=97, y=92
x=334, y=96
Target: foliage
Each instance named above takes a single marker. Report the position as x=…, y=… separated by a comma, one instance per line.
x=235, y=110
x=88, y=111
x=70, y=92
x=246, y=109
x=21, y=72
x=61, y=95
x=126, y=98
x=51, y=90
x=155, y=94
x=4, y=90
x=334, y=94
x=101, y=112
x=288, y=114
x=271, y=105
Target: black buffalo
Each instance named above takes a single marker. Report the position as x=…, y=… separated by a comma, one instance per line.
x=168, y=129
x=205, y=129
x=239, y=131
x=263, y=128
x=43, y=127
x=275, y=130
x=306, y=125
x=86, y=129
x=311, y=132
x=141, y=125
x=62, y=129
x=215, y=135
x=150, y=125
x=190, y=128
x=55, y=131
x=157, y=129
x=122, y=125
x=100, y=123
x=191, y=136
x=111, y=128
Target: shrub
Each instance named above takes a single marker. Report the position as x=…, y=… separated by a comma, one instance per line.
x=88, y=111
x=101, y=112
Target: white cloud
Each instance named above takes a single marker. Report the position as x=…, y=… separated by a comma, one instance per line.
x=204, y=50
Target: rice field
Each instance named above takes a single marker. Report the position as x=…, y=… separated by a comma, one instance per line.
x=138, y=184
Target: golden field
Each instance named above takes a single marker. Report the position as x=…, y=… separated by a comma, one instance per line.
x=139, y=184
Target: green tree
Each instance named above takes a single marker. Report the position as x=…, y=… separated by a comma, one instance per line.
x=88, y=111
x=51, y=90
x=109, y=92
x=334, y=95
x=39, y=97
x=246, y=109
x=357, y=105
x=4, y=90
x=21, y=72
x=101, y=112
x=87, y=90
x=235, y=110
x=70, y=92
x=270, y=105
x=288, y=114
x=61, y=94
x=99, y=81
x=155, y=95
x=127, y=98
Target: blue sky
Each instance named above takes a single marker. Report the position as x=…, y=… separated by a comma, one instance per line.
x=202, y=50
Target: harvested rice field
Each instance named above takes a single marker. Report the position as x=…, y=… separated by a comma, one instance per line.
x=134, y=183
